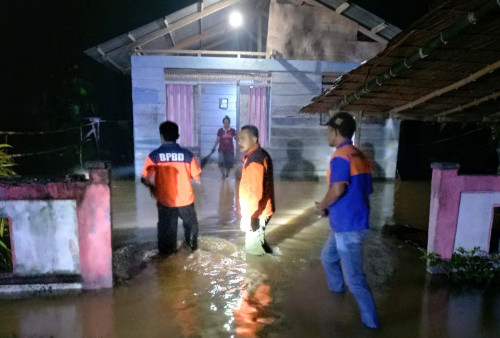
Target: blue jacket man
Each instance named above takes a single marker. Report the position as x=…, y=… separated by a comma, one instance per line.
x=347, y=205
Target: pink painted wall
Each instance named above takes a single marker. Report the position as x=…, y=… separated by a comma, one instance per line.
x=93, y=215
x=446, y=188
x=94, y=232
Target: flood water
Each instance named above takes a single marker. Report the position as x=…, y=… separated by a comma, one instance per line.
x=218, y=291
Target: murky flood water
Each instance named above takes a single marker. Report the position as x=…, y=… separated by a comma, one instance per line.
x=218, y=291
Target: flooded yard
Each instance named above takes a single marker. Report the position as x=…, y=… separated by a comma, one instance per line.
x=218, y=291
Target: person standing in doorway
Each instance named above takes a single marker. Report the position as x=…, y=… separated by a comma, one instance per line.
x=225, y=137
x=256, y=191
x=347, y=205
x=167, y=172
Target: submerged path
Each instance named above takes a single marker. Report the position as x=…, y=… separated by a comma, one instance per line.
x=218, y=291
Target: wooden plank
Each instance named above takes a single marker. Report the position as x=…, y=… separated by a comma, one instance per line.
x=293, y=99
x=292, y=78
x=378, y=28
x=201, y=52
x=218, y=42
x=174, y=26
x=342, y=7
x=208, y=33
x=296, y=88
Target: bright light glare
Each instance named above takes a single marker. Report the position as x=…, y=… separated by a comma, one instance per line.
x=235, y=19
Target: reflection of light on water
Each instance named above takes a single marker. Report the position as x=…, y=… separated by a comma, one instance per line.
x=233, y=287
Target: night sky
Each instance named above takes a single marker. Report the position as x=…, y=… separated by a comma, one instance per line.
x=45, y=43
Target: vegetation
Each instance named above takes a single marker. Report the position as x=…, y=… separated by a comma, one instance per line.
x=6, y=164
x=5, y=252
x=467, y=266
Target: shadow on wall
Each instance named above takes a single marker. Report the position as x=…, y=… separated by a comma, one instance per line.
x=297, y=168
x=369, y=150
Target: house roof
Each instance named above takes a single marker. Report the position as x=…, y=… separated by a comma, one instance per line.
x=444, y=67
x=202, y=29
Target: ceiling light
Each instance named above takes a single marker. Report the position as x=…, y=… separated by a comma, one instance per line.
x=235, y=19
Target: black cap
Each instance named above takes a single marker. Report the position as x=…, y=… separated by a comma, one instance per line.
x=344, y=123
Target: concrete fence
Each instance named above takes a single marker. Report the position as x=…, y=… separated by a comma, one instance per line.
x=60, y=233
x=461, y=210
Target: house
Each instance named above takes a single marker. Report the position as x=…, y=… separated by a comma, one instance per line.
x=194, y=68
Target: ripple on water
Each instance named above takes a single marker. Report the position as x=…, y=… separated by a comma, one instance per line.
x=229, y=286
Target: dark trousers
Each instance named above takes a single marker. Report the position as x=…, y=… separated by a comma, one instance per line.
x=167, y=227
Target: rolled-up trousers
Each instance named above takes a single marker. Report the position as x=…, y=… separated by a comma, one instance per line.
x=255, y=241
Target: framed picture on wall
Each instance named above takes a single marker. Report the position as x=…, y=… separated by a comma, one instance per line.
x=223, y=103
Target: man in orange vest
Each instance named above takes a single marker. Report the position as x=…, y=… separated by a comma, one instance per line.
x=256, y=191
x=168, y=171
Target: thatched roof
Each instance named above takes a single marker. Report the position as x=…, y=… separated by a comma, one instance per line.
x=442, y=68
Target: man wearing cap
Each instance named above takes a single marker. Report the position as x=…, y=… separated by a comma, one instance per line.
x=347, y=205
x=256, y=191
x=167, y=172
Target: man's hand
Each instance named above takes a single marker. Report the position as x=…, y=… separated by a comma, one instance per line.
x=152, y=191
x=150, y=185
x=321, y=209
x=245, y=224
x=196, y=179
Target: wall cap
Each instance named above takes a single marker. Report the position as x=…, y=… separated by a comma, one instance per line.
x=445, y=165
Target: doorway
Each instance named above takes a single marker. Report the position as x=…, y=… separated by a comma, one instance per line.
x=216, y=102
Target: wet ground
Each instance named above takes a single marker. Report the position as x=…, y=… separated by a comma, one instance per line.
x=218, y=291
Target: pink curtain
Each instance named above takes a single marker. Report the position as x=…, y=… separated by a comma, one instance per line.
x=258, y=115
x=181, y=111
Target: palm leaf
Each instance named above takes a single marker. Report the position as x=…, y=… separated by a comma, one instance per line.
x=6, y=162
x=3, y=224
x=4, y=246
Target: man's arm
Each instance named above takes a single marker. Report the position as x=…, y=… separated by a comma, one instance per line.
x=333, y=194
x=151, y=186
x=195, y=170
x=339, y=178
x=147, y=173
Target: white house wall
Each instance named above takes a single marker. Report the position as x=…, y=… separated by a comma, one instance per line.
x=296, y=137
x=475, y=218
x=47, y=243
x=293, y=85
x=379, y=139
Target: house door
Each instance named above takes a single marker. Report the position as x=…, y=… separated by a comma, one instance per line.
x=216, y=102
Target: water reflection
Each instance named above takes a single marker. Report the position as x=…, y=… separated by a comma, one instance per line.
x=466, y=313
x=254, y=312
x=209, y=291
x=227, y=203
